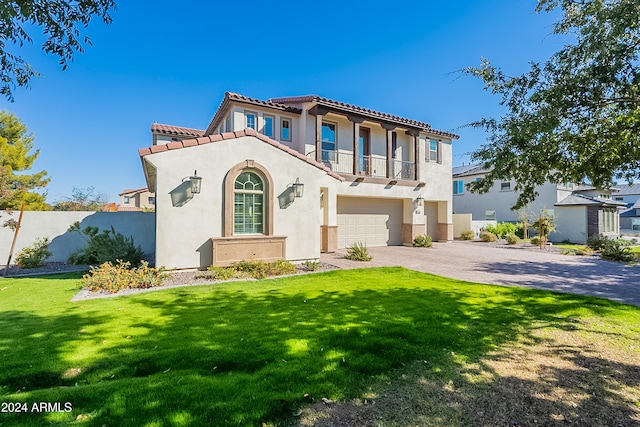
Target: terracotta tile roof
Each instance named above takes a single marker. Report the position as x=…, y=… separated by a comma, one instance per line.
x=175, y=130
x=350, y=108
x=175, y=145
x=236, y=97
x=129, y=191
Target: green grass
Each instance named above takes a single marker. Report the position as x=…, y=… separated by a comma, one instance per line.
x=245, y=353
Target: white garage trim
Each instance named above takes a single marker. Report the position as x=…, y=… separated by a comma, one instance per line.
x=375, y=222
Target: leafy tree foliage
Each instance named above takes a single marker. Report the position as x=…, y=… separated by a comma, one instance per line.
x=576, y=117
x=59, y=20
x=16, y=144
x=83, y=199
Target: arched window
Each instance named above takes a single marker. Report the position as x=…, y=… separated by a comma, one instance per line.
x=248, y=200
x=248, y=204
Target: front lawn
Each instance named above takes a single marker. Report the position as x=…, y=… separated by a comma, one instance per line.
x=390, y=346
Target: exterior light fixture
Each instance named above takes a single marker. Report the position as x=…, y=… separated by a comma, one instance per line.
x=419, y=201
x=195, y=181
x=298, y=188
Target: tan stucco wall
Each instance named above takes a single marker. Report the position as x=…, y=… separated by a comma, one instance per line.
x=184, y=232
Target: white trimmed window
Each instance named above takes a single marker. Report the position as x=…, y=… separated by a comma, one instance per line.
x=267, y=128
x=248, y=212
x=433, y=150
x=490, y=215
x=285, y=129
x=505, y=186
x=250, y=119
x=458, y=187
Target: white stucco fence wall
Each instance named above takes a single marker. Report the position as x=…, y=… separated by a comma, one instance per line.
x=54, y=225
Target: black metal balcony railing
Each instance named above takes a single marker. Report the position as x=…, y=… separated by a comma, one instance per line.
x=375, y=166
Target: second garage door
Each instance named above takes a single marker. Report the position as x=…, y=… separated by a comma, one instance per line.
x=376, y=222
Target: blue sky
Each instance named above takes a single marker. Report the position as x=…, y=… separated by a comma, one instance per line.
x=172, y=64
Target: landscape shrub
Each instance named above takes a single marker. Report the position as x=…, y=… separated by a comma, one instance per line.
x=467, y=235
x=34, y=256
x=535, y=240
x=281, y=268
x=218, y=273
x=424, y=241
x=596, y=241
x=358, y=252
x=256, y=269
x=113, y=277
x=616, y=250
x=105, y=246
x=512, y=239
x=487, y=236
x=311, y=265
x=503, y=229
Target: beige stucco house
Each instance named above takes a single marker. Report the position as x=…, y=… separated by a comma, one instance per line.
x=289, y=178
x=140, y=199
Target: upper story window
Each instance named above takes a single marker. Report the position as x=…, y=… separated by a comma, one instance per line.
x=329, y=131
x=285, y=129
x=505, y=186
x=433, y=150
x=267, y=129
x=458, y=187
x=329, y=136
x=248, y=196
x=227, y=124
x=250, y=120
x=127, y=200
x=152, y=200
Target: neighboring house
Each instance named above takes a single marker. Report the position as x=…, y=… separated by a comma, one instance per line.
x=137, y=200
x=288, y=178
x=630, y=218
x=630, y=194
x=586, y=212
x=578, y=211
x=497, y=202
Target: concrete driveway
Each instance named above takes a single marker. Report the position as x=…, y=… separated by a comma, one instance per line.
x=485, y=263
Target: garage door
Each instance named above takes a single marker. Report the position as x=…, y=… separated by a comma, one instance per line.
x=376, y=222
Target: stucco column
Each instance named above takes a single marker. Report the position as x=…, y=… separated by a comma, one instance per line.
x=329, y=227
x=413, y=221
x=445, y=222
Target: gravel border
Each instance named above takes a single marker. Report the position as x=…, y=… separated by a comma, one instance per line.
x=48, y=268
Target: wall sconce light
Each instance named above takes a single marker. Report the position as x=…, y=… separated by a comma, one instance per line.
x=419, y=201
x=195, y=181
x=298, y=188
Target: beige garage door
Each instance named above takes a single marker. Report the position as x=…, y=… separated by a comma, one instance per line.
x=376, y=222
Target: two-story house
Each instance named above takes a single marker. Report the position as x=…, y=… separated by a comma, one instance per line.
x=287, y=178
x=579, y=211
x=497, y=202
x=140, y=199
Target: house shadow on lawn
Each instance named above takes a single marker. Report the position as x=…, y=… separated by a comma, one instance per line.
x=222, y=356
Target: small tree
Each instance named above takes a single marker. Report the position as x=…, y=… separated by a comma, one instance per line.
x=545, y=225
x=16, y=145
x=83, y=199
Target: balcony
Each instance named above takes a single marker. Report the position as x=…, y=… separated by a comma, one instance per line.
x=370, y=165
